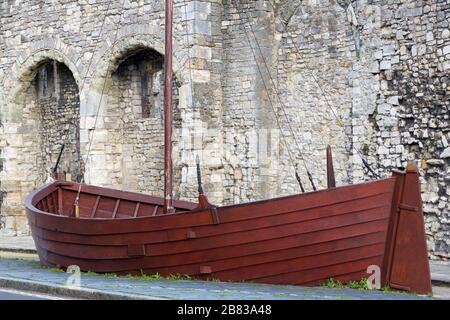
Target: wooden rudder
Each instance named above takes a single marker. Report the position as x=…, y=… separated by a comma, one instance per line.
x=407, y=265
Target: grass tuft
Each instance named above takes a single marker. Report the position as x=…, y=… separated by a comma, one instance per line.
x=362, y=286
x=143, y=277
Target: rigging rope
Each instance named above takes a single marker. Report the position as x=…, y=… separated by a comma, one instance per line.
x=80, y=90
x=188, y=45
x=327, y=102
x=310, y=177
x=191, y=84
x=91, y=138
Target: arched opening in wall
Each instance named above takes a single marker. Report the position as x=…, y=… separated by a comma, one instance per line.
x=136, y=101
x=58, y=104
x=141, y=75
x=43, y=113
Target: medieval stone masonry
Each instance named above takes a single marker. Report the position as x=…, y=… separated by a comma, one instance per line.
x=260, y=87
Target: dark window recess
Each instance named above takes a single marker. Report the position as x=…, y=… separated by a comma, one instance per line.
x=47, y=81
x=43, y=83
x=148, y=63
x=2, y=196
x=146, y=96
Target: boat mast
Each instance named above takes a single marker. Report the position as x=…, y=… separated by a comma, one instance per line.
x=168, y=114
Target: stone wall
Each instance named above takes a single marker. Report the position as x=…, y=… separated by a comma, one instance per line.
x=368, y=77
x=270, y=85
x=410, y=120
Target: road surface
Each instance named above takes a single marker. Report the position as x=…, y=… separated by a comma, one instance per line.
x=7, y=294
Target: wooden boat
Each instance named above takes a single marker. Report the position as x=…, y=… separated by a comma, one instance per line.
x=301, y=239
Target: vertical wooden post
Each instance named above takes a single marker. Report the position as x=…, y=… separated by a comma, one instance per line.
x=77, y=210
x=168, y=115
x=399, y=177
x=330, y=169
x=55, y=173
x=406, y=264
x=60, y=201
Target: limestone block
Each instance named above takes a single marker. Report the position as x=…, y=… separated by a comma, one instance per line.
x=446, y=50
x=445, y=153
x=385, y=65
x=201, y=76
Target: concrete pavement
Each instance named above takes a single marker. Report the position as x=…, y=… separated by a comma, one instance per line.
x=28, y=274
x=23, y=248
x=18, y=244
x=22, y=274
x=440, y=273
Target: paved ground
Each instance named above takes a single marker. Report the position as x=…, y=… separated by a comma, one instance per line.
x=441, y=292
x=23, y=244
x=23, y=248
x=30, y=272
x=440, y=272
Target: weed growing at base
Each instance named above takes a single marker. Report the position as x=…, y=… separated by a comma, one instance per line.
x=360, y=285
x=142, y=277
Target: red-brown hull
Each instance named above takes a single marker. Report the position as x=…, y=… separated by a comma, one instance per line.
x=303, y=239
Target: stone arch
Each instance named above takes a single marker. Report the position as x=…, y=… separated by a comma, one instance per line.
x=40, y=109
x=24, y=68
x=107, y=60
x=130, y=144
